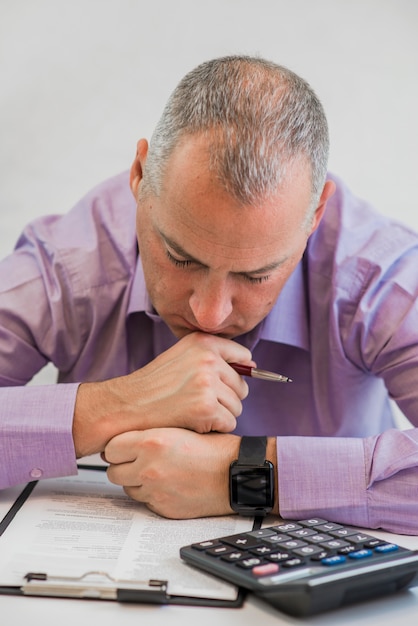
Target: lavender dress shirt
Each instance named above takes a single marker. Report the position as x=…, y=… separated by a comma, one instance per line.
x=344, y=328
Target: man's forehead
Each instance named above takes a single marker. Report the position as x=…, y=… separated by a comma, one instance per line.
x=195, y=212
x=231, y=231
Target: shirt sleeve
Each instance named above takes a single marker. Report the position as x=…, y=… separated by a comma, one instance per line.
x=364, y=309
x=63, y=299
x=37, y=317
x=370, y=482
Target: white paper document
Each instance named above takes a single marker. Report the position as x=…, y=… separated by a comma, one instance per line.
x=71, y=526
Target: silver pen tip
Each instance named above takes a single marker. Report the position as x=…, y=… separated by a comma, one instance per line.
x=264, y=375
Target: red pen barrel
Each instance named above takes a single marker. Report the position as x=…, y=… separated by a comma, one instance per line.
x=244, y=370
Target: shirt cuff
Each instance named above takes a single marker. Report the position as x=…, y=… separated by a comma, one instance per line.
x=322, y=477
x=36, y=424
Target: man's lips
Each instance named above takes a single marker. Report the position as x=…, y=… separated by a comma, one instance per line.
x=227, y=333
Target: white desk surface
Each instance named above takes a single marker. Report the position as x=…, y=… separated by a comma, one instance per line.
x=387, y=611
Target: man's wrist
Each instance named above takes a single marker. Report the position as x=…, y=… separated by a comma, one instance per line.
x=89, y=423
x=252, y=477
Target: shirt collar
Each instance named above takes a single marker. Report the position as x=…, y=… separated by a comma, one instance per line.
x=139, y=300
x=286, y=323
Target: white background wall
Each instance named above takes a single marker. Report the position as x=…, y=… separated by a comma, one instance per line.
x=82, y=80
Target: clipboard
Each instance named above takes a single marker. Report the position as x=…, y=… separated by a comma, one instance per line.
x=98, y=584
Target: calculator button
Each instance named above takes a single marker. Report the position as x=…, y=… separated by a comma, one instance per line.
x=303, y=532
x=323, y=554
x=334, y=544
x=294, y=562
x=328, y=526
x=285, y=528
x=337, y=559
x=308, y=551
x=264, y=570
x=293, y=544
x=343, y=532
x=260, y=550
x=360, y=554
x=319, y=537
x=373, y=543
x=249, y=563
x=244, y=541
x=276, y=538
x=261, y=533
x=386, y=547
x=315, y=521
x=219, y=551
x=359, y=538
x=278, y=556
x=232, y=557
x=347, y=549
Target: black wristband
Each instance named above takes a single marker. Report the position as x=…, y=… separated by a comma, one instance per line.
x=252, y=451
x=251, y=479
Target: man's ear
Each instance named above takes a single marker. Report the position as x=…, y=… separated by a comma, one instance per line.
x=327, y=192
x=137, y=166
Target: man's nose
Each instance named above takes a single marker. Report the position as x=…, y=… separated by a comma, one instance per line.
x=211, y=305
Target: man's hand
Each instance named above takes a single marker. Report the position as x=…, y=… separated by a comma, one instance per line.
x=189, y=386
x=177, y=473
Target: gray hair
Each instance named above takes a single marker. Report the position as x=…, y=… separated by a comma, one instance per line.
x=258, y=117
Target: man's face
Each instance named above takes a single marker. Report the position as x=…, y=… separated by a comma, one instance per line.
x=211, y=264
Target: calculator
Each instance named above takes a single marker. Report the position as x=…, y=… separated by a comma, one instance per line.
x=308, y=566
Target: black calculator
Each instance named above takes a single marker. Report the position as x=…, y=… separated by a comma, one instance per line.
x=308, y=566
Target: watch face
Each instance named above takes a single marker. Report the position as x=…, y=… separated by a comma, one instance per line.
x=251, y=487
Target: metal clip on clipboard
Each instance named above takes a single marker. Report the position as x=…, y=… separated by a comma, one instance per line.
x=96, y=585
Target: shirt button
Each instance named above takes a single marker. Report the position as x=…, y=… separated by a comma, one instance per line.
x=36, y=472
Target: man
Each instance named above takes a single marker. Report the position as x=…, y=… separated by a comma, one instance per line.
x=246, y=252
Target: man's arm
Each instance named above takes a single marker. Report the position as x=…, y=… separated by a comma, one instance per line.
x=371, y=482
x=190, y=386
x=365, y=481
x=178, y=473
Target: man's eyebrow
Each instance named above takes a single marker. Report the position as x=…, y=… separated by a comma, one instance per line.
x=177, y=248
x=267, y=268
x=186, y=256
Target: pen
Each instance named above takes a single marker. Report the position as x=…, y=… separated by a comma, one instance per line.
x=254, y=372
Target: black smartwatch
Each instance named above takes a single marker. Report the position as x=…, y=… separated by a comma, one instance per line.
x=251, y=479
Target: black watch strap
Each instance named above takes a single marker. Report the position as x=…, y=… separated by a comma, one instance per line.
x=252, y=451
x=251, y=479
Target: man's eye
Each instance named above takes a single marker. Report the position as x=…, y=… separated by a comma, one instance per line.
x=256, y=280
x=177, y=262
